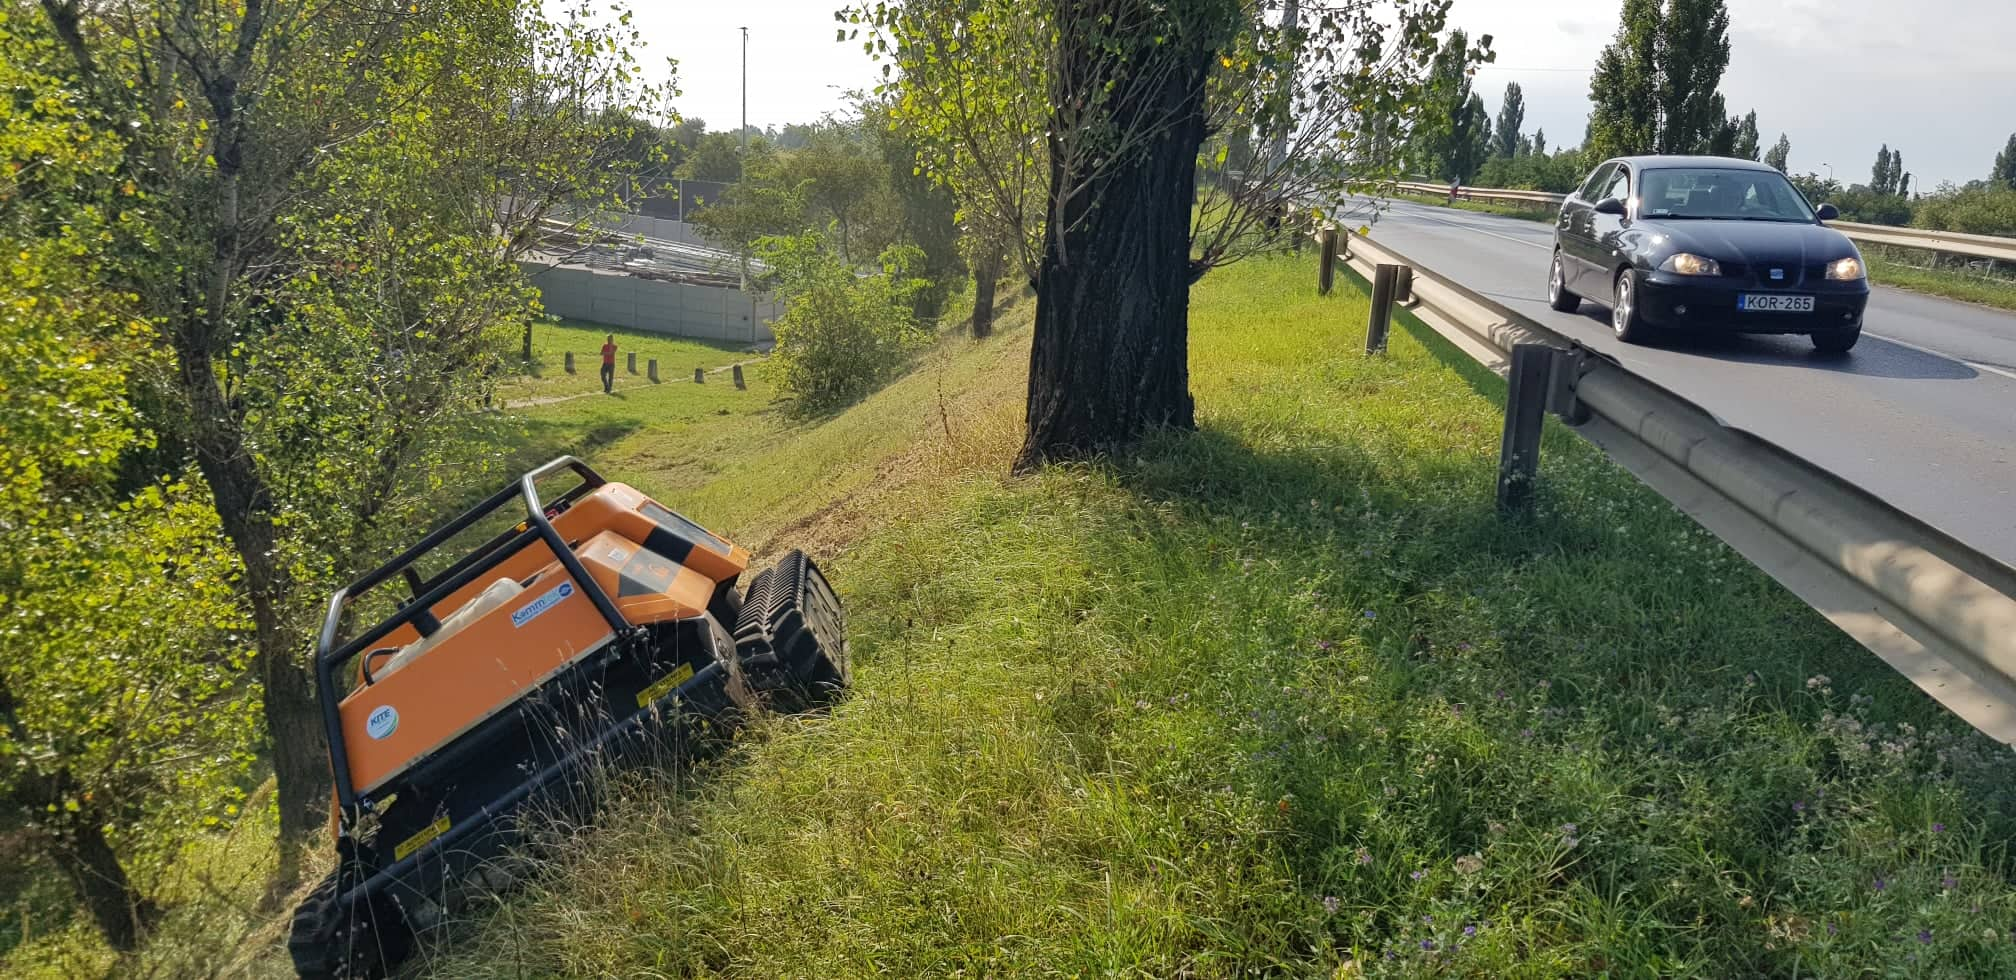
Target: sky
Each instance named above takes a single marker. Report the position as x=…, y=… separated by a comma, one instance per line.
x=1935, y=79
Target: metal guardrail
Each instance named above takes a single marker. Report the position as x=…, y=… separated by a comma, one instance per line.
x=1938, y=611
x=1947, y=242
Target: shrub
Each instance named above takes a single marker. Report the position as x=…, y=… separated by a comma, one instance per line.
x=1974, y=211
x=843, y=334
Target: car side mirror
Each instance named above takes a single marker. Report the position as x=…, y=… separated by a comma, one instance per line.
x=1610, y=205
x=1827, y=212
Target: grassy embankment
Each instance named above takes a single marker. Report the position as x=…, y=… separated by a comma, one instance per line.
x=1282, y=695
x=1887, y=267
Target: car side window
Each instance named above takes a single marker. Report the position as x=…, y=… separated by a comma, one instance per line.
x=1599, y=178
x=1620, y=187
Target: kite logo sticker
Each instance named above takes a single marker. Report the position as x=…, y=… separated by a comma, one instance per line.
x=384, y=720
x=532, y=610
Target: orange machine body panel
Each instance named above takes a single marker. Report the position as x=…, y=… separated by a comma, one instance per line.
x=510, y=650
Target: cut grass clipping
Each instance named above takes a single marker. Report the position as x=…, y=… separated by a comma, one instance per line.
x=1284, y=696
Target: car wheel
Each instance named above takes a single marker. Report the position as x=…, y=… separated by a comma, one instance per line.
x=1837, y=341
x=1625, y=318
x=1558, y=295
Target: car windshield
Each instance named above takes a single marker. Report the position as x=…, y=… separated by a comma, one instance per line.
x=1752, y=195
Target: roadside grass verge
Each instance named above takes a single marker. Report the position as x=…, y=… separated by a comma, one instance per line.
x=1984, y=290
x=1523, y=212
x=1285, y=696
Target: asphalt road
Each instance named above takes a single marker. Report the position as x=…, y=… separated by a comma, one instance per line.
x=1922, y=412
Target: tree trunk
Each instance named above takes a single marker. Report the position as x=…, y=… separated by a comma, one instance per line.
x=79, y=847
x=527, y=354
x=245, y=510
x=986, y=273
x=1110, y=358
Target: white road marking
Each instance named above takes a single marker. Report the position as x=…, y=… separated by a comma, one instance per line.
x=1990, y=368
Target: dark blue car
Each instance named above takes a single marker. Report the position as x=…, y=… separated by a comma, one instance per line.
x=1706, y=244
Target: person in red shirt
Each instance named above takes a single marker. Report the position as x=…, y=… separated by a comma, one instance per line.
x=609, y=364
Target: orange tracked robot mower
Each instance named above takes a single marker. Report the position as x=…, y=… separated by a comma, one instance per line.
x=600, y=629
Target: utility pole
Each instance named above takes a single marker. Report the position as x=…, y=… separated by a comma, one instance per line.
x=743, y=150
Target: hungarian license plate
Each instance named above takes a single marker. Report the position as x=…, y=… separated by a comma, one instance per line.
x=1774, y=303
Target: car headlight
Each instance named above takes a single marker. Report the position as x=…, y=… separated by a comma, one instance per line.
x=1845, y=270
x=1689, y=264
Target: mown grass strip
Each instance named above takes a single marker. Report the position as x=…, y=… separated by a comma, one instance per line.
x=1285, y=695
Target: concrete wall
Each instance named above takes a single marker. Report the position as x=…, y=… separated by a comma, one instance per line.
x=679, y=309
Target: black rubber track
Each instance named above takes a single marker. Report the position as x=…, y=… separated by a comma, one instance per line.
x=790, y=637
x=329, y=944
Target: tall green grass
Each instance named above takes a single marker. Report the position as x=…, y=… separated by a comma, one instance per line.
x=1285, y=696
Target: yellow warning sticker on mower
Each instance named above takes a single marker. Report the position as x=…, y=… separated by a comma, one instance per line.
x=664, y=685
x=420, y=840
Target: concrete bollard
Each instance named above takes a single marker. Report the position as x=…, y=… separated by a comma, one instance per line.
x=1383, y=280
x=1326, y=260
x=570, y=362
x=699, y=376
x=633, y=362
x=738, y=378
x=651, y=370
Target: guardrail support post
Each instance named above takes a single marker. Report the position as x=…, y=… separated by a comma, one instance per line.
x=570, y=362
x=1383, y=281
x=633, y=362
x=1527, y=392
x=699, y=376
x=738, y=378
x=1403, y=288
x=651, y=370
x=1326, y=260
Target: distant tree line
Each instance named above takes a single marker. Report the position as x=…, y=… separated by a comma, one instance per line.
x=1654, y=90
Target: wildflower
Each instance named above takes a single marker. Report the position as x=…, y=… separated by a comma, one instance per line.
x=1469, y=930
x=1428, y=944
x=1469, y=864
x=1369, y=614
x=1418, y=875
x=1832, y=928
x=1545, y=684
x=1879, y=884
x=1949, y=882
x=1938, y=828
x=1330, y=904
x=1798, y=806
x=1463, y=646
x=1323, y=644
x=1925, y=936
x=1817, y=681
x=1750, y=679
x=1494, y=828
x=1525, y=733
x=1364, y=856
x=1428, y=920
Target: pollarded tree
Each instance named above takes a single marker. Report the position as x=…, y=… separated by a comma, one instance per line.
x=1086, y=146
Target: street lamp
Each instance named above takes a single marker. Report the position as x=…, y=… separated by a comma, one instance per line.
x=1830, y=170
